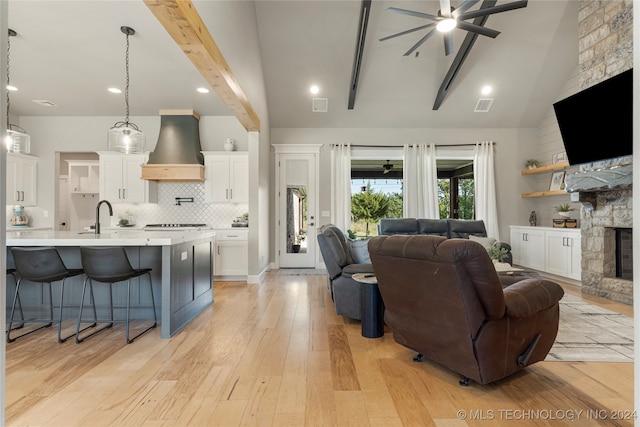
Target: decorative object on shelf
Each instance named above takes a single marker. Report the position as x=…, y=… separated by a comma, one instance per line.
x=557, y=181
x=533, y=219
x=17, y=140
x=19, y=218
x=564, y=209
x=531, y=163
x=565, y=223
x=229, y=145
x=125, y=136
x=559, y=158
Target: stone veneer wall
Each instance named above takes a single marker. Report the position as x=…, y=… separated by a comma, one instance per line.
x=605, y=50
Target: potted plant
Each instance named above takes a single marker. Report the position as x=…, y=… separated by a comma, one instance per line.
x=299, y=238
x=564, y=209
x=498, y=254
x=531, y=163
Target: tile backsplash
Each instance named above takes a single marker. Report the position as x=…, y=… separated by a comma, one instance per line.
x=218, y=215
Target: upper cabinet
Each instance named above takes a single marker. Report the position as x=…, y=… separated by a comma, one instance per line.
x=120, y=178
x=226, y=177
x=21, y=179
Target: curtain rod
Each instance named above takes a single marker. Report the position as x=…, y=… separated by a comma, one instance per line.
x=411, y=145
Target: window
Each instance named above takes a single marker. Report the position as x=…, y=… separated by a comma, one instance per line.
x=371, y=178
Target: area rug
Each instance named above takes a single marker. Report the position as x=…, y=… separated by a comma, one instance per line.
x=301, y=271
x=590, y=333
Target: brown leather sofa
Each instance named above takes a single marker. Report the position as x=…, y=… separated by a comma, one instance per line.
x=443, y=299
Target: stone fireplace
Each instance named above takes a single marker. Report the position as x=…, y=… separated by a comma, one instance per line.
x=603, y=213
x=604, y=188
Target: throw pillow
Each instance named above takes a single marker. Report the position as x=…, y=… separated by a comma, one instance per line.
x=359, y=250
x=487, y=242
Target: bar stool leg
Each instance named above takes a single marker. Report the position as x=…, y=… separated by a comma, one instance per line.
x=95, y=314
x=15, y=281
x=153, y=303
x=13, y=309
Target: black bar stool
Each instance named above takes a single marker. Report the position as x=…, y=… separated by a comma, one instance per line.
x=40, y=265
x=12, y=272
x=110, y=265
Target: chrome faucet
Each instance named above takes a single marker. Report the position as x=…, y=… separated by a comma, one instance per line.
x=97, y=226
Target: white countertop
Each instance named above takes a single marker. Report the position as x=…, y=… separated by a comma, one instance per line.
x=106, y=238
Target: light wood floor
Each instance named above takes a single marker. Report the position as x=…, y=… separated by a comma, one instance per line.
x=276, y=354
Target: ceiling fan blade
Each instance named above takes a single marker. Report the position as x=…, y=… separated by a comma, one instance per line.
x=464, y=7
x=478, y=29
x=445, y=8
x=413, y=13
x=417, y=45
x=448, y=43
x=402, y=33
x=495, y=9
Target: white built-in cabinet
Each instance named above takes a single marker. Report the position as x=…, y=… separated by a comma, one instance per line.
x=226, y=177
x=552, y=250
x=231, y=254
x=21, y=179
x=120, y=178
x=563, y=253
x=527, y=247
x=84, y=176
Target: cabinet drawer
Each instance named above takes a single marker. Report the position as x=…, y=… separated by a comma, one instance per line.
x=222, y=235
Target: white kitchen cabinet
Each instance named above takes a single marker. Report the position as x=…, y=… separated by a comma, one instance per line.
x=21, y=179
x=231, y=257
x=120, y=178
x=564, y=253
x=527, y=247
x=226, y=177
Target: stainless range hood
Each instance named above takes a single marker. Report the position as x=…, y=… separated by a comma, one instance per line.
x=178, y=155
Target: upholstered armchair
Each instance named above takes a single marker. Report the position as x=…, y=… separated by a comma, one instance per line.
x=443, y=299
x=343, y=258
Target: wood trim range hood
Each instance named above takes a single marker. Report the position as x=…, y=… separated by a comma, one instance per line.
x=178, y=155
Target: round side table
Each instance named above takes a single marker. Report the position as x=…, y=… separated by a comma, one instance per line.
x=372, y=306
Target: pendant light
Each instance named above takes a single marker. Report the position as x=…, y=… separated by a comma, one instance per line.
x=125, y=136
x=16, y=140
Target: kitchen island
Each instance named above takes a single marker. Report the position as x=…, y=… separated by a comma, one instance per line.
x=181, y=263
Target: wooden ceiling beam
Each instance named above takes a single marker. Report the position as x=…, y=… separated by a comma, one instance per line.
x=182, y=21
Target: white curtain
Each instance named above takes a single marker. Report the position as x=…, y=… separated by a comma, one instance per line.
x=420, y=180
x=341, y=186
x=485, y=194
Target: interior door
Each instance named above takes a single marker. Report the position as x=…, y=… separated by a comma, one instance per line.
x=297, y=211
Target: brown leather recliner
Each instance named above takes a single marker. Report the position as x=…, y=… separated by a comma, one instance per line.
x=443, y=299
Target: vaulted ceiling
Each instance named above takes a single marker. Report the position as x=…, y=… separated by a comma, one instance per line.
x=71, y=62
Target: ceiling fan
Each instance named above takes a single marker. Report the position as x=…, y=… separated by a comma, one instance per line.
x=449, y=18
x=386, y=168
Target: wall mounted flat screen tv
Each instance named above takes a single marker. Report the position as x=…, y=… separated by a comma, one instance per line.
x=597, y=123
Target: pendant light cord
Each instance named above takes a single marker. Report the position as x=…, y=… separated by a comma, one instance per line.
x=126, y=88
x=8, y=79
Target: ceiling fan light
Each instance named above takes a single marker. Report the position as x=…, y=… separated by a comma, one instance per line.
x=446, y=25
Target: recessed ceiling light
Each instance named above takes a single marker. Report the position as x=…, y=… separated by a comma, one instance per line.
x=203, y=90
x=114, y=90
x=314, y=89
x=486, y=90
x=11, y=88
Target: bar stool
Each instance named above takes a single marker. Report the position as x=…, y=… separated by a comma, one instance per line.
x=40, y=265
x=12, y=272
x=110, y=265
